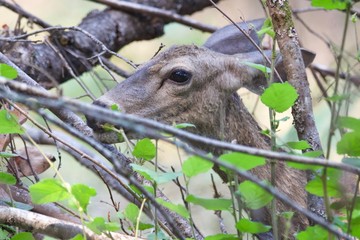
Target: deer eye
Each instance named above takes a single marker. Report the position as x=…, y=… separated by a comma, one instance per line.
x=180, y=76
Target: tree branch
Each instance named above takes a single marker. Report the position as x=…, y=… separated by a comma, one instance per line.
x=50, y=226
x=156, y=12
x=302, y=111
x=117, y=30
x=141, y=126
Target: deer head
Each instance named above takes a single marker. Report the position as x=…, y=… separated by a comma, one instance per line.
x=190, y=84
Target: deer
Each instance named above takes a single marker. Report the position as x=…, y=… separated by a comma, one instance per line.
x=198, y=85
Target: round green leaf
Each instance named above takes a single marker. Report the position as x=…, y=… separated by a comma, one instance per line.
x=23, y=236
x=178, y=208
x=352, y=161
x=158, y=177
x=7, y=178
x=144, y=149
x=222, y=236
x=47, y=191
x=253, y=195
x=210, y=204
x=299, y=145
x=7, y=71
x=313, y=232
x=9, y=123
x=245, y=225
x=242, y=160
x=315, y=186
x=279, y=96
x=349, y=144
x=195, y=165
x=83, y=193
x=329, y=4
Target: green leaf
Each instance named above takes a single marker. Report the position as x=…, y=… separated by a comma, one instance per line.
x=259, y=67
x=349, y=144
x=178, y=208
x=195, y=165
x=245, y=225
x=314, y=233
x=287, y=215
x=98, y=225
x=299, y=145
x=279, y=96
x=47, y=191
x=253, y=195
x=303, y=166
x=158, y=177
x=159, y=235
x=243, y=161
x=19, y=205
x=115, y=107
x=7, y=71
x=184, y=125
x=83, y=193
x=222, y=236
x=352, y=161
x=23, y=236
x=315, y=186
x=313, y=154
x=330, y=4
x=4, y=235
x=149, y=189
x=144, y=149
x=145, y=226
x=267, y=28
x=355, y=227
x=7, y=154
x=131, y=213
x=9, y=123
x=349, y=122
x=78, y=237
x=7, y=178
x=210, y=204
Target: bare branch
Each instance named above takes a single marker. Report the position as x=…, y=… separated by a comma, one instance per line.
x=65, y=115
x=150, y=127
x=302, y=111
x=16, y=8
x=143, y=125
x=50, y=226
x=117, y=30
x=156, y=12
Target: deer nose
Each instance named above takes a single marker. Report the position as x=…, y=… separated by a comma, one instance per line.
x=94, y=123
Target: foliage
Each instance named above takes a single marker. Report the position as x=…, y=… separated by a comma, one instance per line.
x=144, y=149
x=195, y=165
x=7, y=71
x=279, y=96
x=248, y=226
x=254, y=196
x=9, y=123
x=245, y=196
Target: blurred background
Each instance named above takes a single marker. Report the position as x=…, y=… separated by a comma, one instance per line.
x=328, y=24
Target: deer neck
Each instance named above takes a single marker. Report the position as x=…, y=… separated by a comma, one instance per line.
x=235, y=124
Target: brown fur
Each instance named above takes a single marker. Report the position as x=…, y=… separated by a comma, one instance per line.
x=210, y=102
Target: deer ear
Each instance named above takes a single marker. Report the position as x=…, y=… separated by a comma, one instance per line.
x=230, y=40
x=308, y=56
x=240, y=73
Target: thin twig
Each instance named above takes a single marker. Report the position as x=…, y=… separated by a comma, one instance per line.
x=17, y=9
x=145, y=126
x=156, y=12
x=132, y=123
x=78, y=29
